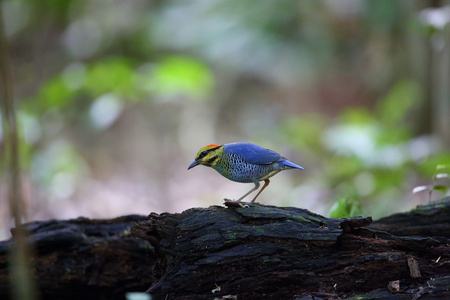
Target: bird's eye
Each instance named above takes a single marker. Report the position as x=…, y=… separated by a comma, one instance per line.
x=203, y=154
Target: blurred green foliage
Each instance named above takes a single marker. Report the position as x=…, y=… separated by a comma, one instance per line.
x=114, y=75
x=367, y=155
x=329, y=79
x=177, y=75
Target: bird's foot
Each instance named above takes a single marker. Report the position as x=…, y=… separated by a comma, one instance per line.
x=229, y=202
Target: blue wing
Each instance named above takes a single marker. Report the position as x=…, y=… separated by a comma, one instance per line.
x=254, y=154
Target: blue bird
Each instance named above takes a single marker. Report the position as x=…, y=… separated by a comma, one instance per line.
x=243, y=162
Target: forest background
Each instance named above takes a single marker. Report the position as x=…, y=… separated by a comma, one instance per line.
x=114, y=98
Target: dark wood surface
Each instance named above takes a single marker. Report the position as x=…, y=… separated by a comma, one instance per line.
x=267, y=252
x=85, y=259
x=257, y=252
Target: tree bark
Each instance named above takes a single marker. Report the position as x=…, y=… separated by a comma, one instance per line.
x=267, y=252
x=84, y=259
x=257, y=252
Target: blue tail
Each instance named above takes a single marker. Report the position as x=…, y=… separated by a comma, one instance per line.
x=292, y=165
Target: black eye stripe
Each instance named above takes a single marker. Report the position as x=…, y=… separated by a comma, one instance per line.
x=212, y=159
x=205, y=152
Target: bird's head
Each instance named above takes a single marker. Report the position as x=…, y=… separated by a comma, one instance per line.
x=207, y=156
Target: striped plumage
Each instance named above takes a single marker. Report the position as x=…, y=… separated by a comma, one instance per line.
x=243, y=162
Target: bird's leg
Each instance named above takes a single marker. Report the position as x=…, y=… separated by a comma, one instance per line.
x=266, y=183
x=249, y=192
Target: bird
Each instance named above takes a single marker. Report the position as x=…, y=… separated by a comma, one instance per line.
x=243, y=162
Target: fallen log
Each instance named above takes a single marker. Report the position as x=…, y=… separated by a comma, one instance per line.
x=432, y=219
x=84, y=259
x=267, y=252
x=257, y=252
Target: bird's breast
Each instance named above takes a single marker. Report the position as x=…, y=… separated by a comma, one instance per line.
x=236, y=168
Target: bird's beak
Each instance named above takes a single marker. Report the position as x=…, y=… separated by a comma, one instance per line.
x=194, y=163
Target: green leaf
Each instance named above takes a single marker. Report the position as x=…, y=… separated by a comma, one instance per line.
x=440, y=188
x=345, y=207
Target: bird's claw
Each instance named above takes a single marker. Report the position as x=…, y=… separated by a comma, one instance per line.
x=229, y=202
